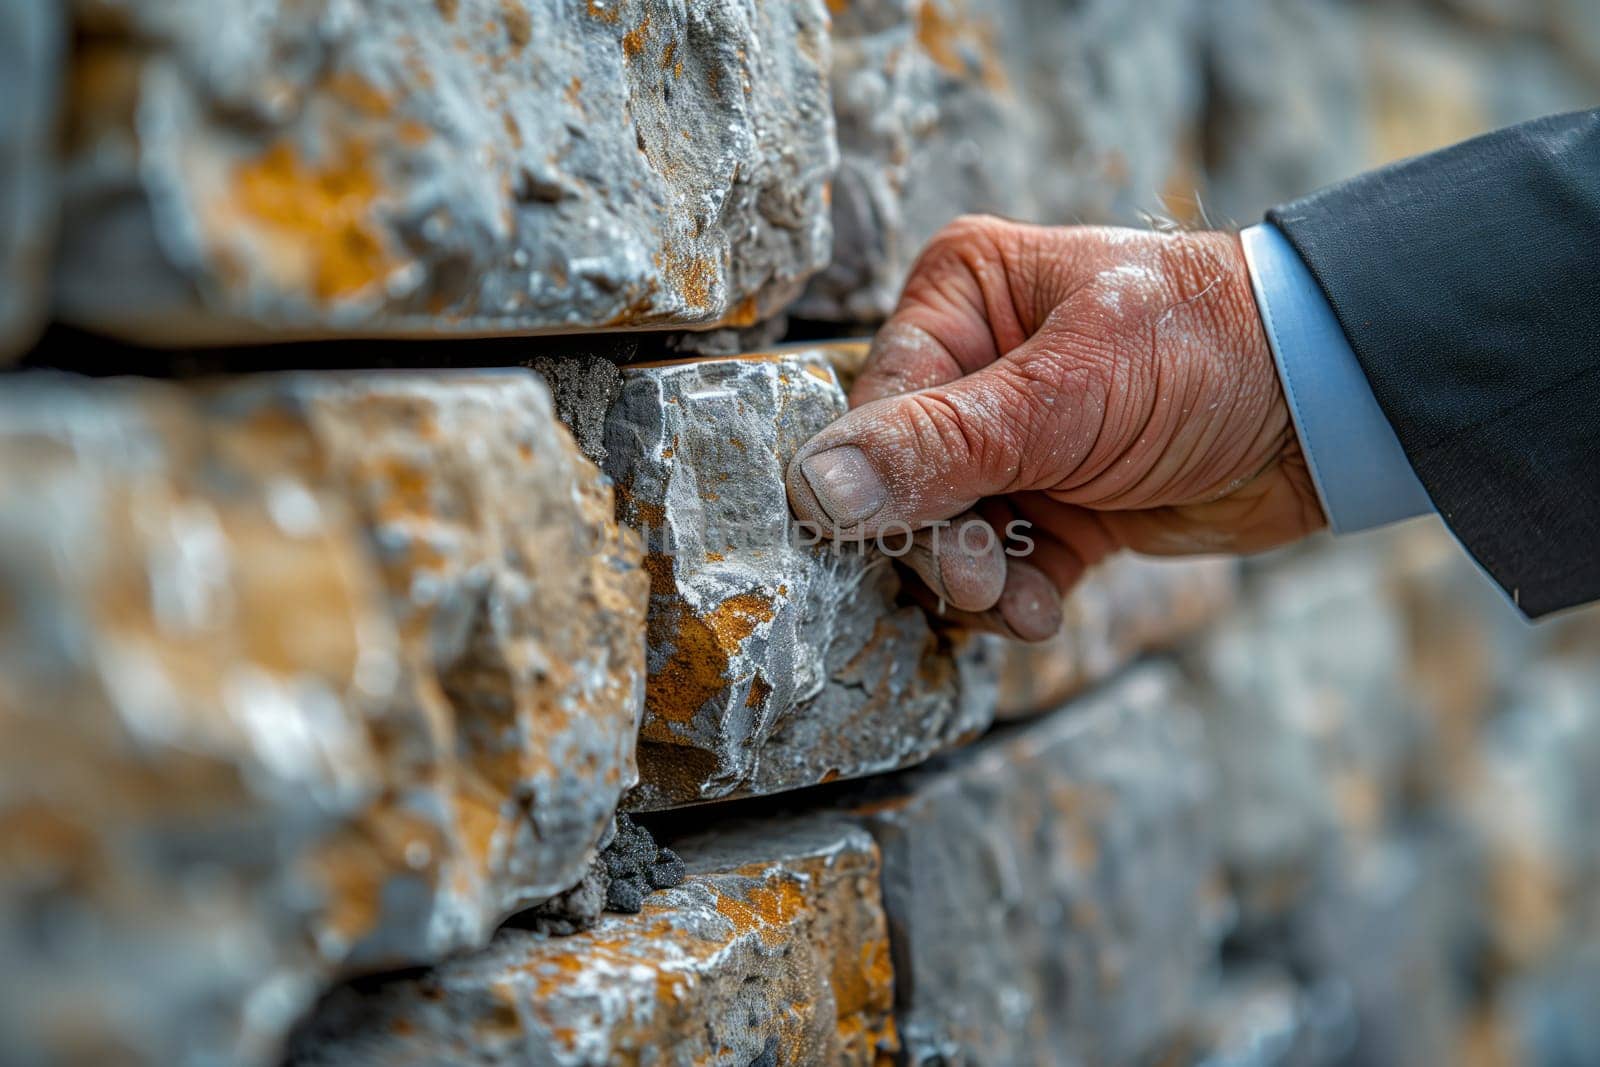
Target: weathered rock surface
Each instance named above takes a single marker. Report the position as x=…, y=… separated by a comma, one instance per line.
x=197, y=674
x=280, y=699
x=773, y=663
x=1049, y=890
x=428, y=167
x=32, y=42
x=773, y=951
x=1033, y=109
x=1127, y=606
x=520, y=601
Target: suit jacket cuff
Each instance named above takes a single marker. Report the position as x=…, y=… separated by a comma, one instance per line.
x=1361, y=473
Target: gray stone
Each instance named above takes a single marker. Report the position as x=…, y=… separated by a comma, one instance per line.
x=283, y=695
x=1377, y=939
x=1533, y=807
x=1259, y=1017
x=1310, y=722
x=445, y=167
x=519, y=597
x=1551, y=1010
x=32, y=43
x=773, y=663
x=1049, y=890
x=774, y=950
x=1285, y=103
x=583, y=390
x=1126, y=607
x=1033, y=109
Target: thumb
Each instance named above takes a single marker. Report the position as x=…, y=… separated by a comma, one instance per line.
x=1023, y=422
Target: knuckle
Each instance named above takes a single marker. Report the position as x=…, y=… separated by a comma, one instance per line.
x=943, y=436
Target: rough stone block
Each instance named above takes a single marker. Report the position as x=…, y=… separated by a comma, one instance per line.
x=1033, y=109
x=518, y=596
x=278, y=698
x=774, y=950
x=1049, y=890
x=1122, y=609
x=773, y=663
x=444, y=167
x=32, y=40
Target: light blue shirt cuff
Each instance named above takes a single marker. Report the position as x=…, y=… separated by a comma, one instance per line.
x=1361, y=473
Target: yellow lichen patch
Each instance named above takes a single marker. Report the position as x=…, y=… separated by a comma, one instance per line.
x=763, y=909
x=693, y=277
x=746, y=312
x=360, y=94
x=702, y=647
x=519, y=23
x=634, y=40
x=953, y=42
x=317, y=217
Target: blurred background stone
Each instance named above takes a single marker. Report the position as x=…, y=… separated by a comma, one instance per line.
x=33, y=43
x=1127, y=606
x=1049, y=890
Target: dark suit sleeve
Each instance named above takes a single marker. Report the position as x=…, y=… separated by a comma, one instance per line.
x=1468, y=283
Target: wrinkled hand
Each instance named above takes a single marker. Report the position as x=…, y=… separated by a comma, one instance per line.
x=1112, y=388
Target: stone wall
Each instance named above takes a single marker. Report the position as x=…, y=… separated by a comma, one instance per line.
x=472, y=703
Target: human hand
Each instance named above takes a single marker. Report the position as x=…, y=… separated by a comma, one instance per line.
x=1112, y=388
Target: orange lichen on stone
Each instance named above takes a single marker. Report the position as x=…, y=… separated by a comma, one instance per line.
x=746, y=312
x=692, y=277
x=605, y=13
x=519, y=23
x=763, y=909
x=946, y=39
x=448, y=8
x=634, y=40
x=702, y=650
x=318, y=216
x=360, y=94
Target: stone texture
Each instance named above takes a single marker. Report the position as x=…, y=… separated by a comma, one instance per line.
x=773, y=663
x=520, y=600
x=773, y=951
x=1033, y=109
x=1310, y=723
x=32, y=40
x=1049, y=890
x=1284, y=103
x=1125, y=607
x=443, y=167
x=1258, y=1017
x=1431, y=83
x=279, y=698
